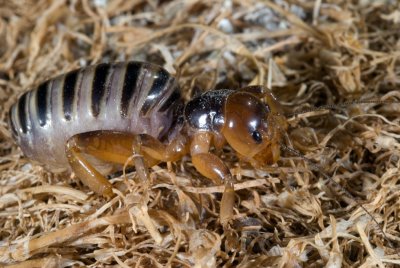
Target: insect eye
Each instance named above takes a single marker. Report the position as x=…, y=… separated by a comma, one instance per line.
x=256, y=136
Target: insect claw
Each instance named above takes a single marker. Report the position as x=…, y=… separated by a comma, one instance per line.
x=108, y=192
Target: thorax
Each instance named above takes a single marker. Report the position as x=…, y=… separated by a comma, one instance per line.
x=206, y=112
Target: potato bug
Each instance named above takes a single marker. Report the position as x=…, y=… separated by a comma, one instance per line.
x=108, y=111
x=136, y=107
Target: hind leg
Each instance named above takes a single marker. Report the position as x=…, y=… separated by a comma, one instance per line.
x=117, y=147
x=108, y=146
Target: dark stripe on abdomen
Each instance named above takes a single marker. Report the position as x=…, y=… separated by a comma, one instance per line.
x=69, y=93
x=99, y=87
x=41, y=102
x=130, y=84
x=156, y=92
x=22, y=117
x=174, y=97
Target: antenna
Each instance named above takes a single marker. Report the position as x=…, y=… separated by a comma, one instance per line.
x=319, y=169
x=340, y=106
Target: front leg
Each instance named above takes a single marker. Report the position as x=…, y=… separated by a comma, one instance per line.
x=212, y=167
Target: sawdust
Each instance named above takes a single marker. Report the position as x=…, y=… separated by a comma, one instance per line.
x=311, y=53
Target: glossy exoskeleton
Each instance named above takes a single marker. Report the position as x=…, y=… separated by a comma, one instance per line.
x=111, y=111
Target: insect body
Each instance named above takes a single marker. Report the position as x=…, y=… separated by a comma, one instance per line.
x=110, y=111
x=127, y=97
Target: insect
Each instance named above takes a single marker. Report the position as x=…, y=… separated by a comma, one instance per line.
x=111, y=111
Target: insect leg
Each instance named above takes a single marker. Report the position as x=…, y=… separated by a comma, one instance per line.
x=212, y=167
x=108, y=146
x=86, y=172
x=153, y=148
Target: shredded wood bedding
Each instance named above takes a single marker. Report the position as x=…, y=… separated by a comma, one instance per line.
x=294, y=213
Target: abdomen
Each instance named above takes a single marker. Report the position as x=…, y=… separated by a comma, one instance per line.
x=130, y=97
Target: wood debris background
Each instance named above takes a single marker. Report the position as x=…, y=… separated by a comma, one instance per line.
x=311, y=53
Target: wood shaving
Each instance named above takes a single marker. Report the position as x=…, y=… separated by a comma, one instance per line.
x=288, y=215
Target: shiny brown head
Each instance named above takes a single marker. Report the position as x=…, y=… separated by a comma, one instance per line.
x=254, y=128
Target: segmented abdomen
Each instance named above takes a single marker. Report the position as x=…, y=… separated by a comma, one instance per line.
x=131, y=97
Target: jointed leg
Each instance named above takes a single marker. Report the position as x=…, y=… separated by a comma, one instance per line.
x=108, y=146
x=117, y=147
x=212, y=167
x=87, y=173
x=151, y=147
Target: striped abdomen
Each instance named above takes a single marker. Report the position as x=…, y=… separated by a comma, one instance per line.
x=131, y=97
